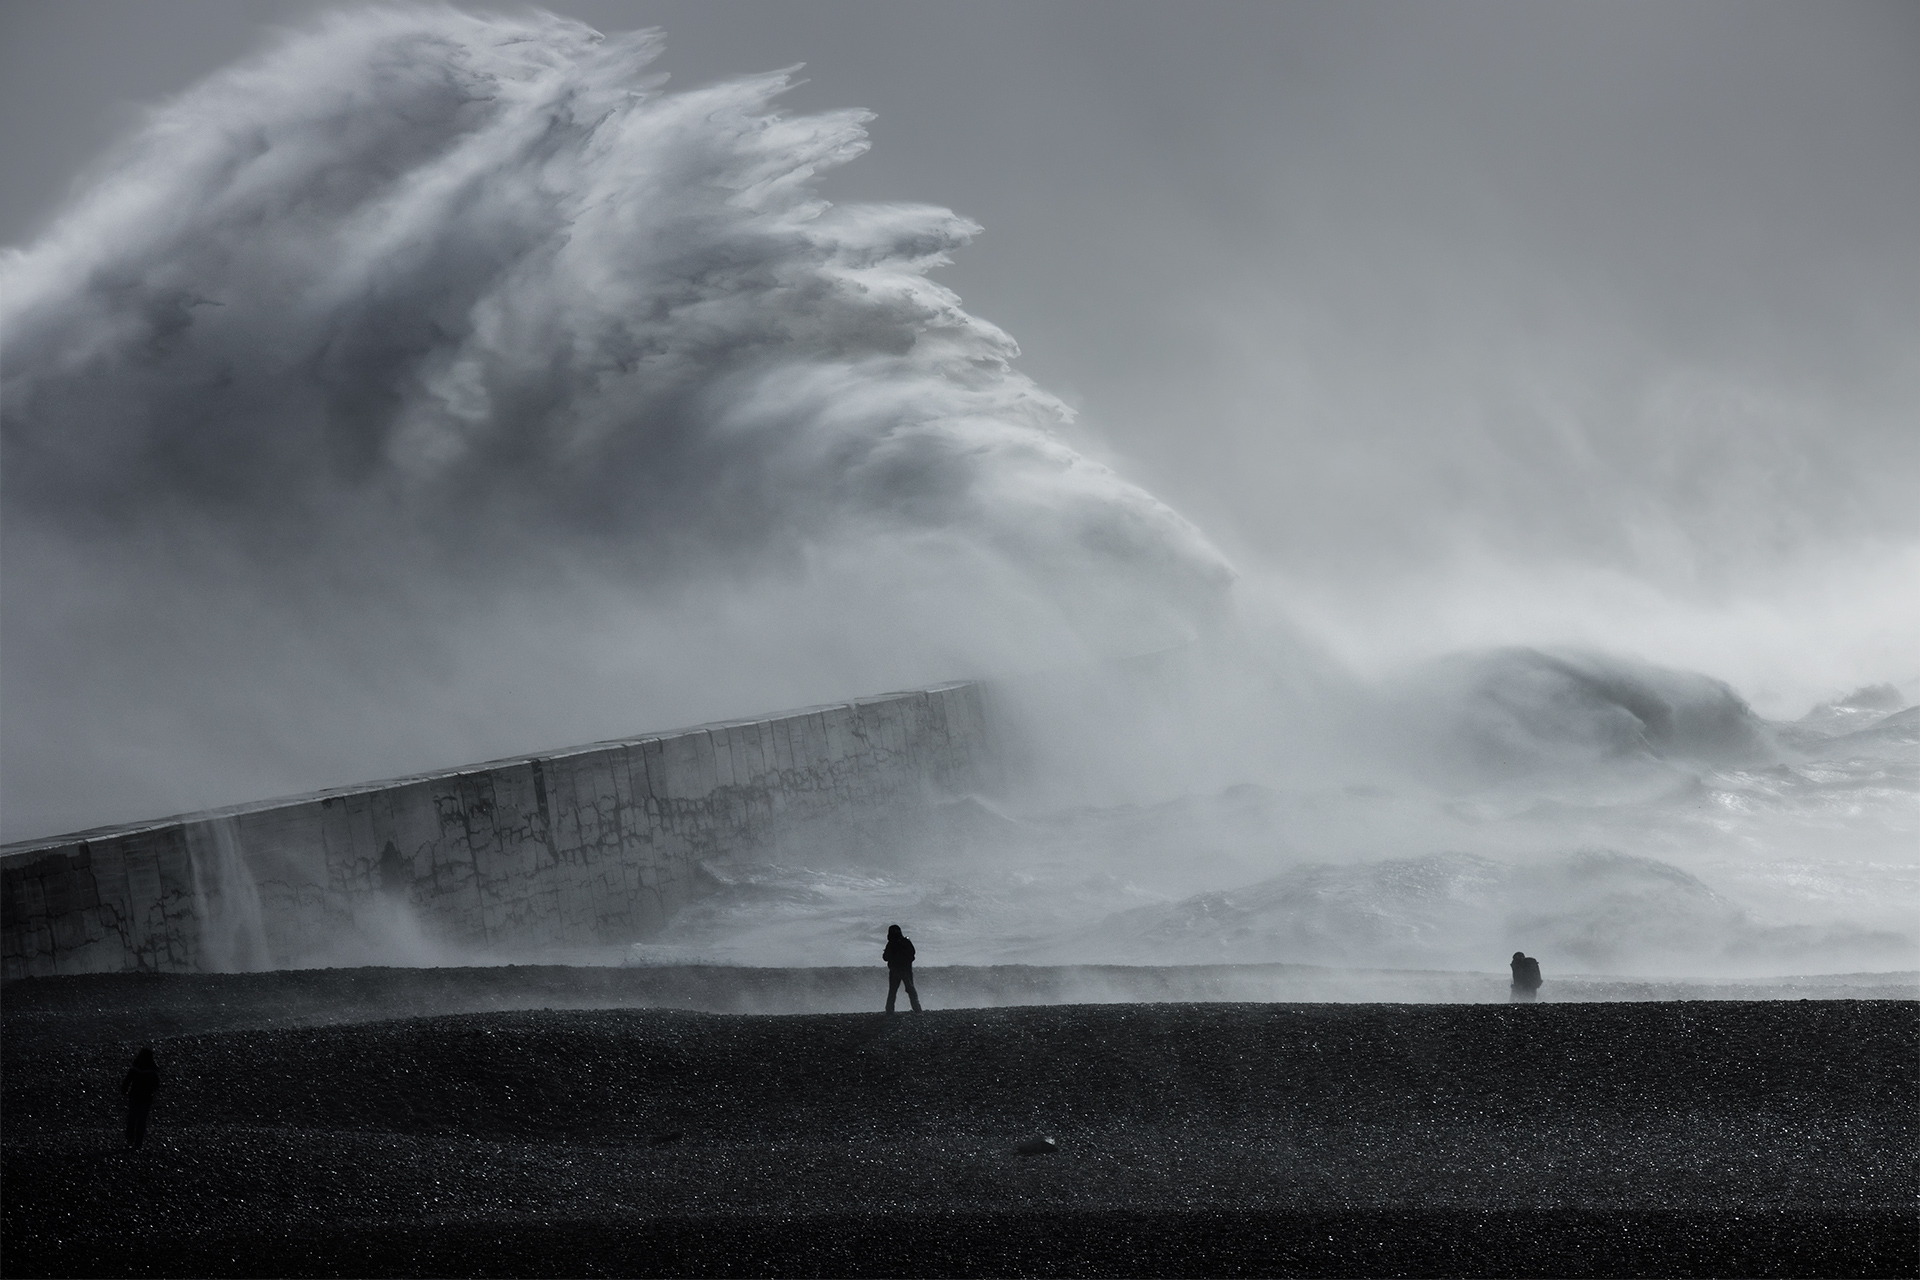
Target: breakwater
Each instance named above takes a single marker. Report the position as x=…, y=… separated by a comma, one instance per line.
x=589, y=846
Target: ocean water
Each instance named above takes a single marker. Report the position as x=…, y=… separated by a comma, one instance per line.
x=1763, y=849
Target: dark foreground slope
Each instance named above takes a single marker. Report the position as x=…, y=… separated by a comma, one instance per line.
x=1685, y=1138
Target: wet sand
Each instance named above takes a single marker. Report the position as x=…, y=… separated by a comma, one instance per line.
x=340, y=1123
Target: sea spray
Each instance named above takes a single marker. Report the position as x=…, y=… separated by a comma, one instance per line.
x=485, y=279
x=233, y=936
x=438, y=385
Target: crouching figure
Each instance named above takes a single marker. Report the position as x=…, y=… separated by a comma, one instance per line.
x=1526, y=976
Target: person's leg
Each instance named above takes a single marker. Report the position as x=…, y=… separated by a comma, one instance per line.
x=893, y=987
x=906, y=976
x=137, y=1122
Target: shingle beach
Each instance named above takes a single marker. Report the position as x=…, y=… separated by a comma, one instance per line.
x=1677, y=1137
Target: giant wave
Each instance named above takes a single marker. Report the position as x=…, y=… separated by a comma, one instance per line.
x=388, y=392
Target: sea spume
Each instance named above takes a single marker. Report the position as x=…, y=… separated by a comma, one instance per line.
x=458, y=270
x=429, y=324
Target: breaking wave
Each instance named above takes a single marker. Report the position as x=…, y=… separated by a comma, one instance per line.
x=1525, y=712
x=486, y=277
x=426, y=321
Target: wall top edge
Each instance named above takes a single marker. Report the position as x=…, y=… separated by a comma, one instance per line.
x=20, y=851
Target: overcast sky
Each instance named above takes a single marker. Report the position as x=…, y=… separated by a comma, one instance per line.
x=1250, y=233
x=1450, y=323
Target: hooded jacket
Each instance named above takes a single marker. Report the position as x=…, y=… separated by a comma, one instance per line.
x=899, y=952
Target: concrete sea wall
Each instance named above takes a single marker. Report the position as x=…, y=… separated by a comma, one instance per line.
x=595, y=845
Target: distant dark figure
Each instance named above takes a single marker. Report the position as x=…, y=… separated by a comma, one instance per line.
x=143, y=1077
x=1526, y=976
x=899, y=958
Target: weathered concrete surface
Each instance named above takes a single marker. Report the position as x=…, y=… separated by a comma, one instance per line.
x=595, y=845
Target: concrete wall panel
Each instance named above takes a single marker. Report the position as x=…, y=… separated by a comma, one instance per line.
x=593, y=846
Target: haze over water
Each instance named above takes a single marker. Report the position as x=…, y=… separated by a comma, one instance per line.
x=436, y=387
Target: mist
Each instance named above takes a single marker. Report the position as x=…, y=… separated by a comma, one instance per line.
x=433, y=387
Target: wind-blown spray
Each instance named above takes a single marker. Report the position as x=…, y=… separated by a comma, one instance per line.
x=427, y=318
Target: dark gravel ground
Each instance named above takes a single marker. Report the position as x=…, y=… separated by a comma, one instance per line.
x=116, y=1007
x=1735, y=1138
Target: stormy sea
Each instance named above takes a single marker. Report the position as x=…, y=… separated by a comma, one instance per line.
x=434, y=387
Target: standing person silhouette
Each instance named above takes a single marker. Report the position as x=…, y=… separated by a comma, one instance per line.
x=899, y=958
x=1526, y=976
x=143, y=1077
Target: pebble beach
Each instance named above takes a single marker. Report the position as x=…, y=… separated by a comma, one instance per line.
x=305, y=1130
